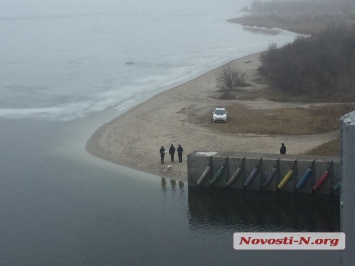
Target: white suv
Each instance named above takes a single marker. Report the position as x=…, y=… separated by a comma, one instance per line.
x=219, y=115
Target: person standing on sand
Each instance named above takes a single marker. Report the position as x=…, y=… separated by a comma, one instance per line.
x=162, y=154
x=179, y=151
x=283, y=149
x=172, y=152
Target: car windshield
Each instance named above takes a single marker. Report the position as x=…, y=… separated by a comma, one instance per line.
x=219, y=112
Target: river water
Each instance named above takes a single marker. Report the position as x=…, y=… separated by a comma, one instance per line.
x=63, y=74
x=68, y=208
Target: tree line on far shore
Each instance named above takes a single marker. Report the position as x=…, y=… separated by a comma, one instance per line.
x=314, y=69
x=315, y=7
x=320, y=67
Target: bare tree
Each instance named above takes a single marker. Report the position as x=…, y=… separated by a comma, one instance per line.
x=229, y=79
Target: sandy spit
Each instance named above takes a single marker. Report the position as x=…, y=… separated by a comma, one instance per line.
x=134, y=138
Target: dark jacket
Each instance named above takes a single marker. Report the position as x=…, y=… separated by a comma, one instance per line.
x=171, y=149
x=283, y=149
x=162, y=151
x=180, y=150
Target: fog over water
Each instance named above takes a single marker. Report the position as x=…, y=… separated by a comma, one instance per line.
x=63, y=60
x=63, y=73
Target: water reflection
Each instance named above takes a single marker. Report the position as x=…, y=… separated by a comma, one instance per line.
x=256, y=212
x=181, y=185
x=163, y=184
x=173, y=184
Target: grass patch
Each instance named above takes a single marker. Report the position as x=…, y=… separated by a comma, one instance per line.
x=331, y=148
x=285, y=121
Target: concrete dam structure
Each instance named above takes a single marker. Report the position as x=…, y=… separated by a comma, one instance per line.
x=301, y=174
x=243, y=173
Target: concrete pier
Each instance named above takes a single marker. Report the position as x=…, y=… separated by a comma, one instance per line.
x=347, y=188
x=256, y=168
x=332, y=170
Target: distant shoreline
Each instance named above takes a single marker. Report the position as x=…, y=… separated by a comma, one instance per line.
x=307, y=27
x=134, y=138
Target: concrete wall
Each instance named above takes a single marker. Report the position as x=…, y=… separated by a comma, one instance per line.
x=347, y=188
x=199, y=160
x=343, y=169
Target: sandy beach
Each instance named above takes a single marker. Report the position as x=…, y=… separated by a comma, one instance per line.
x=134, y=138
